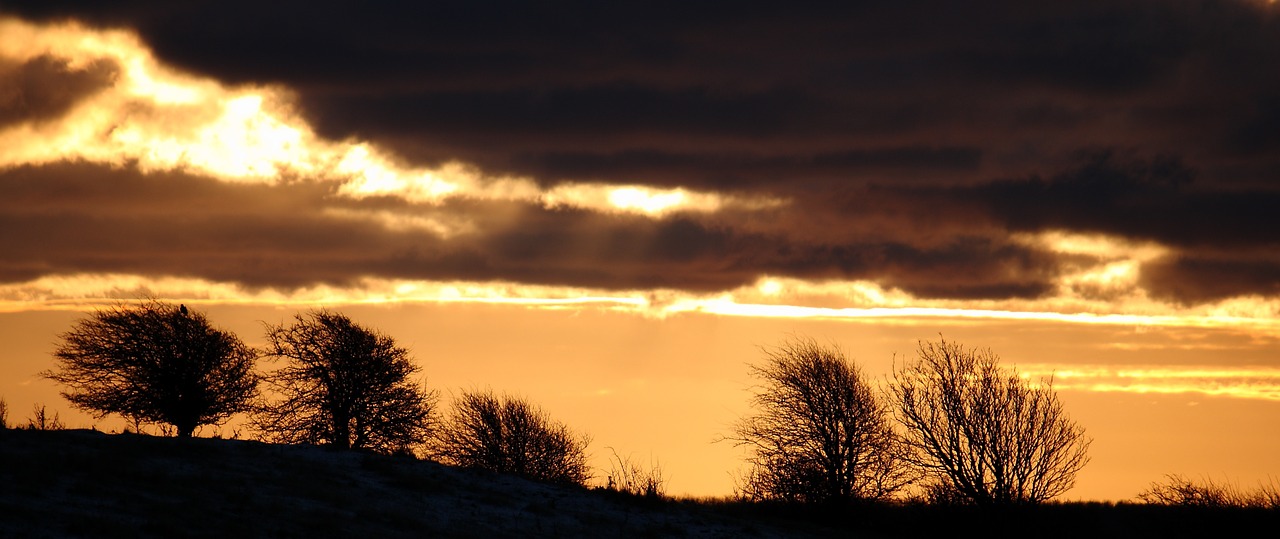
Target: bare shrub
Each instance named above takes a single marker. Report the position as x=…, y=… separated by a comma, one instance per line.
x=41, y=420
x=509, y=435
x=819, y=431
x=342, y=385
x=630, y=477
x=982, y=434
x=155, y=362
x=1178, y=490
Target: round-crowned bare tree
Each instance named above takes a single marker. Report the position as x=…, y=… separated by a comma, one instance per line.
x=155, y=362
x=343, y=385
x=819, y=431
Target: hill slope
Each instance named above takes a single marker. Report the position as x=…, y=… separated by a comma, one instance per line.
x=81, y=483
x=86, y=483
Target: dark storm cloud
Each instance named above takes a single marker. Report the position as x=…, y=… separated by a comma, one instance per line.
x=84, y=218
x=1159, y=200
x=1191, y=278
x=1224, y=241
x=45, y=87
x=507, y=85
x=962, y=268
x=70, y=218
x=728, y=171
x=911, y=138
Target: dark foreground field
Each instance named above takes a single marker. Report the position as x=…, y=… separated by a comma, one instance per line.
x=89, y=484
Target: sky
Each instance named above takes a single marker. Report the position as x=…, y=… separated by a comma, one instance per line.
x=610, y=207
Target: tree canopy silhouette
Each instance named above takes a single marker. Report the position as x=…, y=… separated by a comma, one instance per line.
x=151, y=363
x=343, y=385
x=982, y=434
x=819, y=432
x=509, y=435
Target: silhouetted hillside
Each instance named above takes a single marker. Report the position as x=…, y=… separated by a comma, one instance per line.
x=89, y=484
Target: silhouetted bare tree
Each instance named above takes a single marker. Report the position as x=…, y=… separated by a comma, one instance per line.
x=342, y=385
x=4, y=414
x=151, y=363
x=819, y=432
x=982, y=434
x=509, y=435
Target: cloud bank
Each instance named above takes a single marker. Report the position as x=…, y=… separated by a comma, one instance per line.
x=937, y=152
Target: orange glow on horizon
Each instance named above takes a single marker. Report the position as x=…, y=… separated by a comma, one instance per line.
x=1245, y=383
x=769, y=297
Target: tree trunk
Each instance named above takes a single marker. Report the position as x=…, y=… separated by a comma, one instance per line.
x=341, y=432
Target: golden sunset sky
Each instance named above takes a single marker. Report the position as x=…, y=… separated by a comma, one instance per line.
x=610, y=208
